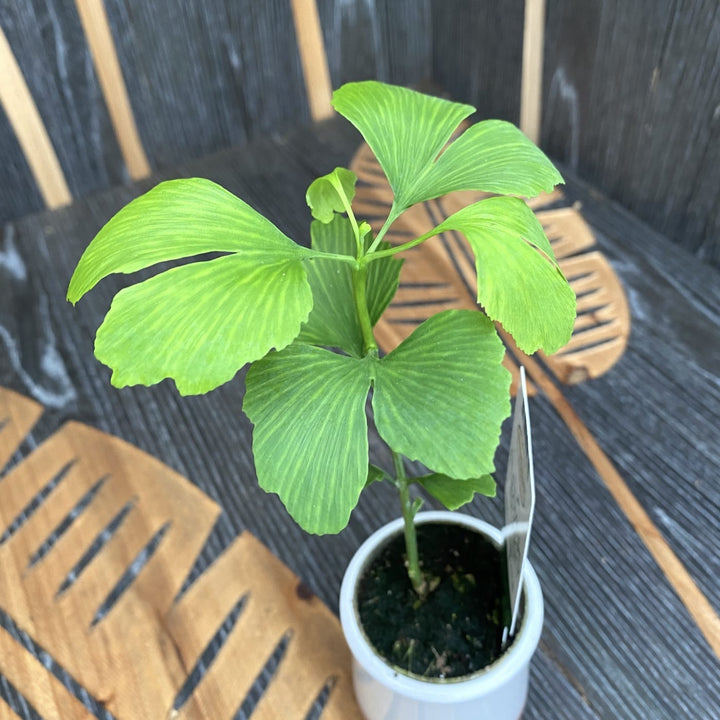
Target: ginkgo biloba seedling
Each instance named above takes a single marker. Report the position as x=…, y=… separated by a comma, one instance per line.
x=304, y=317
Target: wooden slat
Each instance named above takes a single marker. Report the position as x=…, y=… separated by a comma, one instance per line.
x=313, y=57
x=532, y=68
x=114, y=658
x=138, y=657
x=97, y=31
x=277, y=604
x=682, y=582
x=30, y=131
x=39, y=687
x=17, y=416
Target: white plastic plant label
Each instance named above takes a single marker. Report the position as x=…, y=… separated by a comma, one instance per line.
x=519, y=500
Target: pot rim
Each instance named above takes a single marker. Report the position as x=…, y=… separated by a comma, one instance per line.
x=516, y=657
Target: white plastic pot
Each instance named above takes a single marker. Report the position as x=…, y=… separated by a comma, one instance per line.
x=497, y=692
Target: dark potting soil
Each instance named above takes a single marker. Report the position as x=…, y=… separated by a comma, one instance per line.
x=457, y=629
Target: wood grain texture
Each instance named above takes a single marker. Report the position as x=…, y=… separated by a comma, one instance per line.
x=25, y=120
x=277, y=605
x=532, y=67
x=64, y=619
x=389, y=40
x=205, y=75
x=631, y=104
x=477, y=54
x=48, y=42
x=630, y=90
x=97, y=31
x=17, y=418
x=313, y=58
x=138, y=660
x=618, y=642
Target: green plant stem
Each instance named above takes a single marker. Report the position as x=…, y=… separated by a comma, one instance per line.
x=391, y=218
x=408, y=512
x=332, y=256
x=359, y=279
x=399, y=248
x=351, y=215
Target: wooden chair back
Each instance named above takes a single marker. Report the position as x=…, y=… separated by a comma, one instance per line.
x=26, y=120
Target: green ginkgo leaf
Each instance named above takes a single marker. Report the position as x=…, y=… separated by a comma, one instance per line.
x=441, y=396
x=333, y=321
x=453, y=493
x=324, y=198
x=297, y=400
x=519, y=283
x=408, y=130
x=199, y=323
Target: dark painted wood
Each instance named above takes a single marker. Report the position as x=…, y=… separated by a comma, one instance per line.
x=49, y=45
x=617, y=641
x=19, y=194
x=477, y=54
x=389, y=40
x=632, y=104
x=204, y=75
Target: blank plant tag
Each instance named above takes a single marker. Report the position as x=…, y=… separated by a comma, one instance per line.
x=519, y=500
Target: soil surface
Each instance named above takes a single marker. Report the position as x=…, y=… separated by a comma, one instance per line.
x=457, y=630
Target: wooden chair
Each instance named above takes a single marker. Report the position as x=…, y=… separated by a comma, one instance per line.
x=64, y=167
x=33, y=138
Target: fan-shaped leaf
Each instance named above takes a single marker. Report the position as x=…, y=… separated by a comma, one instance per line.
x=323, y=391
x=177, y=219
x=454, y=493
x=333, y=321
x=323, y=197
x=405, y=129
x=491, y=156
x=449, y=373
x=518, y=281
x=200, y=323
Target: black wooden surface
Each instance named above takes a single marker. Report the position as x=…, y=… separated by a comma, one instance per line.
x=617, y=642
x=631, y=97
x=201, y=75
x=477, y=54
x=49, y=45
x=632, y=102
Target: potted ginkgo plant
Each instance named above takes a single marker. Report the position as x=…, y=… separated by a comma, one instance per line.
x=303, y=318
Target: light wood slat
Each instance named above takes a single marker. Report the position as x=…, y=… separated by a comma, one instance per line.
x=18, y=414
x=102, y=47
x=41, y=689
x=276, y=604
x=532, y=68
x=313, y=58
x=114, y=659
x=6, y=712
x=136, y=659
x=30, y=130
x=682, y=582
